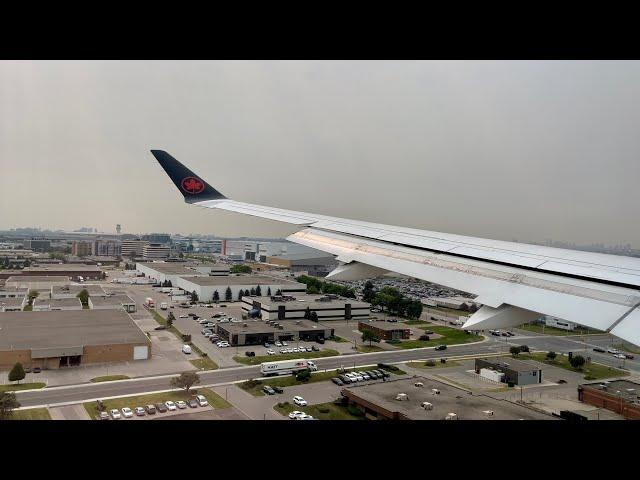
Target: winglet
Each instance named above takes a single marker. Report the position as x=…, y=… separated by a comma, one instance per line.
x=193, y=188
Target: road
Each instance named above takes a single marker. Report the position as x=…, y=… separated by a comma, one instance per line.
x=79, y=393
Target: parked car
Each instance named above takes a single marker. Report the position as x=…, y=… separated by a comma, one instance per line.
x=270, y=352
x=314, y=348
x=295, y=414
x=365, y=375
x=181, y=404
x=161, y=407
x=150, y=409
x=115, y=414
x=140, y=411
x=171, y=406
x=202, y=400
x=160, y=327
x=320, y=341
x=284, y=344
x=337, y=381
x=441, y=347
x=278, y=344
x=250, y=354
x=629, y=356
x=298, y=400
x=268, y=390
x=345, y=379
x=392, y=320
x=562, y=381
x=309, y=349
x=266, y=345
x=278, y=389
x=428, y=332
x=192, y=403
x=183, y=316
x=104, y=416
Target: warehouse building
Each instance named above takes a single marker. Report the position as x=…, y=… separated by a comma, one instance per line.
x=454, y=303
x=509, y=370
x=45, y=304
x=53, y=340
x=619, y=396
x=33, y=282
x=257, y=332
x=72, y=291
x=13, y=304
x=422, y=398
x=386, y=331
x=163, y=271
x=289, y=307
x=318, y=264
x=73, y=271
x=112, y=302
x=206, y=286
x=13, y=292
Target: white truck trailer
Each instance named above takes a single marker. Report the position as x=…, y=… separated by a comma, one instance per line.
x=286, y=367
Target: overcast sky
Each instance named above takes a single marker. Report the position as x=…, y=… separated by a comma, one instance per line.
x=507, y=150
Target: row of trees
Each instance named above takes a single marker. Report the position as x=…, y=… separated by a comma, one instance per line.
x=228, y=294
x=166, y=283
x=393, y=300
x=314, y=285
x=240, y=269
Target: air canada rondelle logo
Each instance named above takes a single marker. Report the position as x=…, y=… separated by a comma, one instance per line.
x=192, y=185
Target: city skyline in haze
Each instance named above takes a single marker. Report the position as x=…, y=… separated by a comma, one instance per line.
x=504, y=150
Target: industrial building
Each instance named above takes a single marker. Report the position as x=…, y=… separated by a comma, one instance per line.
x=421, y=398
x=289, y=307
x=554, y=322
x=33, y=282
x=317, y=264
x=12, y=304
x=45, y=304
x=37, y=245
x=98, y=247
x=453, y=303
x=619, y=396
x=206, y=286
x=386, y=331
x=133, y=248
x=61, y=339
x=171, y=271
x=156, y=251
x=72, y=291
x=112, y=302
x=508, y=370
x=257, y=332
x=73, y=271
x=13, y=292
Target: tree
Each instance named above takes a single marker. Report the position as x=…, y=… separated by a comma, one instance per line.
x=278, y=292
x=194, y=296
x=240, y=294
x=8, y=403
x=312, y=290
x=314, y=317
x=268, y=291
x=240, y=269
x=258, y=291
x=169, y=284
x=33, y=294
x=307, y=313
x=414, y=309
x=577, y=361
x=216, y=296
x=253, y=291
x=304, y=375
x=369, y=336
x=515, y=351
x=247, y=293
x=368, y=292
x=17, y=373
x=551, y=355
x=84, y=297
x=170, y=319
x=228, y=295
x=185, y=380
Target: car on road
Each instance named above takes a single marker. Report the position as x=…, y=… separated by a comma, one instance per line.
x=150, y=409
x=115, y=414
x=295, y=414
x=441, y=347
x=337, y=381
x=268, y=390
x=598, y=349
x=621, y=356
x=181, y=404
x=140, y=411
x=304, y=416
x=613, y=350
x=223, y=344
x=171, y=406
x=562, y=381
x=392, y=320
x=629, y=356
x=298, y=400
x=202, y=400
x=192, y=403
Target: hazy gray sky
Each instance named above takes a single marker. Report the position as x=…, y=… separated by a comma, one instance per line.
x=526, y=150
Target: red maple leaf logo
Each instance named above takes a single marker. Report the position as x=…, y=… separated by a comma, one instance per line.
x=192, y=185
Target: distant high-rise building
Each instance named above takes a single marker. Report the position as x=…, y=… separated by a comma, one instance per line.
x=133, y=247
x=156, y=251
x=118, y=229
x=109, y=248
x=81, y=249
x=157, y=237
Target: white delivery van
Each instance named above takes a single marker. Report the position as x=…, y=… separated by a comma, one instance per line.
x=186, y=349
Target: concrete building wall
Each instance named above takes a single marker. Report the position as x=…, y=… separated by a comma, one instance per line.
x=608, y=401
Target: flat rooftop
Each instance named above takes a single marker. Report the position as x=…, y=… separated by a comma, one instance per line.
x=386, y=326
x=57, y=302
x=626, y=389
x=450, y=400
x=14, y=290
x=111, y=300
x=11, y=302
x=259, y=326
x=37, y=278
x=172, y=268
x=205, y=281
x=512, y=364
x=76, y=289
x=308, y=300
x=63, y=267
x=58, y=329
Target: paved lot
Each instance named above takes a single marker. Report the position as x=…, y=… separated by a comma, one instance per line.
x=224, y=414
x=69, y=412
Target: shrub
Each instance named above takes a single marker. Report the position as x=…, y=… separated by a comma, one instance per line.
x=355, y=411
x=524, y=348
x=252, y=383
x=551, y=355
x=304, y=375
x=429, y=363
x=282, y=404
x=323, y=410
x=424, y=338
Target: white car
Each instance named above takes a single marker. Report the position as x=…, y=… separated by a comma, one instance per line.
x=202, y=400
x=309, y=349
x=365, y=376
x=223, y=344
x=295, y=414
x=298, y=400
x=115, y=414
x=278, y=344
x=304, y=416
x=270, y=352
x=181, y=404
x=613, y=350
x=183, y=316
x=127, y=412
x=620, y=355
x=170, y=405
x=284, y=344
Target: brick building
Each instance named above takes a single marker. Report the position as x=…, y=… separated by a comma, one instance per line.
x=619, y=396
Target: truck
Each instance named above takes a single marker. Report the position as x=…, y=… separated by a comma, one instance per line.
x=286, y=367
x=164, y=306
x=149, y=302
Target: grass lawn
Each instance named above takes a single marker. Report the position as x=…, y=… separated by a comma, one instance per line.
x=450, y=336
x=627, y=348
x=437, y=364
x=416, y=322
x=592, y=371
x=274, y=358
x=214, y=399
x=14, y=387
x=255, y=387
x=369, y=348
x=204, y=362
x=338, y=339
x=538, y=328
x=321, y=411
x=30, y=414
x=163, y=321
x=109, y=378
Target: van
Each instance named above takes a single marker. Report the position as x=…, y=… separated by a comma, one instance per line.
x=186, y=349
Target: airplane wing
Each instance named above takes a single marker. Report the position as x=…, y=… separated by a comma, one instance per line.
x=514, y=282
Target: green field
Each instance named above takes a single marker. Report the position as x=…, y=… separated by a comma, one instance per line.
x=204, y=362
x=338, y=339
x=627, y=348
x=592, y=371
x=109, y=378
x=329, y=411
x=14, y=387
x=213, y=398
x=538, y=328
x=288, y=356
x=438, y=364
x=30, y=414
x=416, y=322
x=450, y=336
x=255, y=387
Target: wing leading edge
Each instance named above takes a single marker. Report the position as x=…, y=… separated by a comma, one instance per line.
x=515, y=282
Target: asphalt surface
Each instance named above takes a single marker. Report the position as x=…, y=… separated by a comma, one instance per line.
x=83, y=392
